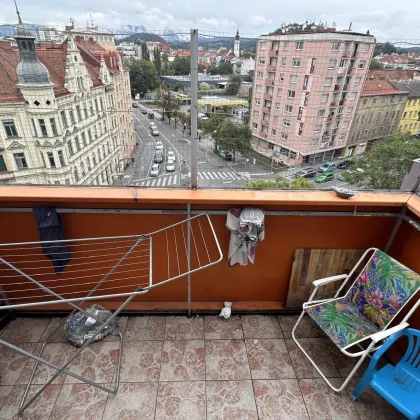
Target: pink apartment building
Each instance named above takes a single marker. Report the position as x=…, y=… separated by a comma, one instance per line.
x=306, y=88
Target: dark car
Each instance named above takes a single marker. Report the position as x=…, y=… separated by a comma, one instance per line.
x=144, y=112
x=135, y=105
x=344, y=164
x=306, y=173
x=151, y=116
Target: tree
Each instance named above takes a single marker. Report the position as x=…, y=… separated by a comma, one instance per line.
x=234, y=83
x=280, y=183
x=204, y=86
x=157, y=61
x=145, y=52
x=376, y=65
x=386, y=164
x=166, y=103
x=143, y=77
x=181, y=66
x=386, y=48
x=165, y=63
x=179, y=87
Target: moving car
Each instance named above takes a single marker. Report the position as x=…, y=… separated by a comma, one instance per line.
x=325, y=177
x=306, y=173
x=344, y=164
x=327, y=167
x=144, y=111
x=159, y=145
x=171, y=155
x=170, y=166
x=202, y=116
x=155, y=131
x=151, y=116
x=155, y=170
x=135, y=105
x=158, y=156
x=152, y=124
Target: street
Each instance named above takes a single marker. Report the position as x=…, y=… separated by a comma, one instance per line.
x=213, y=170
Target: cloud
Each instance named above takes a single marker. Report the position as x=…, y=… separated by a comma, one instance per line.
x=257, y=20
x=218, y=22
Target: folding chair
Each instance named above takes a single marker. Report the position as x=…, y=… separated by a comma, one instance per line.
x=363, y=316
x=101, y=268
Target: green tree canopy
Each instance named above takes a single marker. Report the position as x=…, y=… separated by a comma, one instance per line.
x=204, y=86
x=223, y=68
x=234, y=83
x=143, y=77
x=385, y=165
x=157, y=60
x=386, y=48
x=280, y=183
x=145, y=52
x=166, y=103
x=376, y=65
x=181, y=66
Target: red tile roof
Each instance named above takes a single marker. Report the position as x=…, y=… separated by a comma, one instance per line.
x=377, y=82
x=53, y=56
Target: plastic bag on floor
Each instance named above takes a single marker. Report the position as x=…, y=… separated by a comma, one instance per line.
x=227, y=310
x=80, y=327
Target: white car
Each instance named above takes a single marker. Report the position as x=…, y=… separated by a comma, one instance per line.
x=152, y=125
x=171, y=155
x=202, y=116
x=170, y=166
x=170, y=159
x=159, y=145
x=155, y=170
x=155, y=131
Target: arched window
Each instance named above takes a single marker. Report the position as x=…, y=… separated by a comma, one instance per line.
x=76, y=175
x=88, y=163
x=82, y=168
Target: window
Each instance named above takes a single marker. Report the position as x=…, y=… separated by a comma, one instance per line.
x=314, y=143
x=257, y=101
x=64, y=119
x=296, y=62
x=3, y=167
x=85, y=111
x=352, y=96
x=281, y=77
x=76, y=175
x=324, y=97
x=277, y=106
x=349, y=110
x=273, y=131
x=102, y=103
x=72, y=120
x=345, y=124
x=78, y=112
x=43, y=127
x=289, y=108
x=260, y=75
x=335, y=46
x=89, y=135
x=331, y=64
x=361, y=64
x=10, y=128
x=340, y=110
x=261, y=60
x=61, y=158
x=299, y=45
x=356, y=80
x=291, y=94
x=20, y=160
x=283, y=61
x=286, y=123
x=293, y=78
x=88, y=163
x=34, y=127
x=50, y=156
x=365, y=48
x=255, y=125
x=365, y=101
x=321, y=113
x=263, y=45
x=83, y=139
x=275, y=120
x=286, y=45
x=279, y=92
x=91, y=107
x=96, y=105
x=328, y=81
x=343, y=63
x=53, y=127
x=317, y=128
x=258, y=90
x=94, y=160
x=76, y=142
x=284, y=136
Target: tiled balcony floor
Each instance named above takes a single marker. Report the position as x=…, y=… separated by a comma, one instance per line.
x=245, y=367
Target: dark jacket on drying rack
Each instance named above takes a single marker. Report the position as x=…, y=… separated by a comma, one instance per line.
x=49, y=228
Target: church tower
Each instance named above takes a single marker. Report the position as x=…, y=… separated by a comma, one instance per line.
x=236, y=49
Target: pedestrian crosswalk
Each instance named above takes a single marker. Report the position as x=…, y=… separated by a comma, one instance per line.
x=160, y=181
x=218, y=175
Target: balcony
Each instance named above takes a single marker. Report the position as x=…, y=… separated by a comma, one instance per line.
x=270, y=67
x=308, y=219
x=273, y=53
x=268, y=96
x=337, y=88
x=264, y=122
x=266, y=109
x=341, y=71
x=333, y=104
x=269, y=82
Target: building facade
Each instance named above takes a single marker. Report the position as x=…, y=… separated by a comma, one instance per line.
x=104, y=38
x=377, y=115
x=58, y=112
x=306, y=89
x=410, y=120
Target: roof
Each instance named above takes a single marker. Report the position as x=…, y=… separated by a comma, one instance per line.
x=412, y=86
x=53, y=56
x=393, y=74
x=379, y=86
x=218, y=101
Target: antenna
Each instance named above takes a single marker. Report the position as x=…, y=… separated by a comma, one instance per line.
x=91, y=19
x=350, y=26
x=72, y=22
x=17, y=11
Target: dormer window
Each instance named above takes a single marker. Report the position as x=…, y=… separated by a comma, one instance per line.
x=24, y=45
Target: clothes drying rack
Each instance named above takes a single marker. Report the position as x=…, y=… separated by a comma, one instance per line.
x=101, y=268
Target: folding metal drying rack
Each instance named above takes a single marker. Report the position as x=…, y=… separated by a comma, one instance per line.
x=124, y=264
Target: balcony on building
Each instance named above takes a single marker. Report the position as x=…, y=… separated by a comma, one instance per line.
x=273, y=53
x=265, y=121
x=271, y=68
x=268, y=96
x=269, y=82
x=266, y=109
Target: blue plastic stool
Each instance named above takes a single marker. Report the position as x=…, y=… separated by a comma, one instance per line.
x=400, y=384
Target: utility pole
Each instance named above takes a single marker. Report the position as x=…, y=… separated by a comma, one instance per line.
x=194, y=106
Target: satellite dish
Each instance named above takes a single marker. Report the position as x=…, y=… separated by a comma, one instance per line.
x=283, y=25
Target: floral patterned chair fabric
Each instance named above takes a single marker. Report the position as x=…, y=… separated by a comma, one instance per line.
x=380, y=291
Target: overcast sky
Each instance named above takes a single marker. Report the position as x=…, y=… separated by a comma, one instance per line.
x=386, y=19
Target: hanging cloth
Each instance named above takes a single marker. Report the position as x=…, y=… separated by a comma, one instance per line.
x=247, y=230
x=49, y=228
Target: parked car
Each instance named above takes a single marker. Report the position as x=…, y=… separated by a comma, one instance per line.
x=155, y=131
x=159, y=145
x=306, y=173
x=344, y=164
x=325, y=177
x=170, y=166
x=155, y=170
x=327, y=167
x=202, y=116
x=135, y=105
x=158, y=156
x=151, y=116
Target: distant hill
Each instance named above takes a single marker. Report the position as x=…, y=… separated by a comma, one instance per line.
x=144, y=37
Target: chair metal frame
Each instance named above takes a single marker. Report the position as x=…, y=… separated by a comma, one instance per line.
x=77, y=302
x=377, y=338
